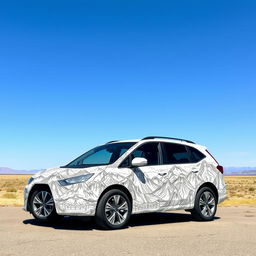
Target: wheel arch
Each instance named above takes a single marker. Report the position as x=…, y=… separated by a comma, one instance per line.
x=212, y=187
x=33, y=189
x=116, y=186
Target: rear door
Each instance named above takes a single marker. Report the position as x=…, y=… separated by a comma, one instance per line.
x=180, y=167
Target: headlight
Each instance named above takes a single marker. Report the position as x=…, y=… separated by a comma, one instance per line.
x=30, y=180
x=74, y=180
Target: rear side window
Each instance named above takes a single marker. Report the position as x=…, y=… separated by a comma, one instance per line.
x=196, y=155
x=175, y=154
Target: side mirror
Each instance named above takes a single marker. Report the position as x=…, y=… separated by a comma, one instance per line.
x=139, y=161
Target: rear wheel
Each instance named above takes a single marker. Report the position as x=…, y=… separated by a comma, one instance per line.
x=205, y=205
x=114, y=210
x=42, y=205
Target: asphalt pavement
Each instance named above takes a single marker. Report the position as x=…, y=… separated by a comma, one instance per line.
x=233, y=232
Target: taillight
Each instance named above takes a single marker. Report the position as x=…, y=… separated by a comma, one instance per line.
x=220, y=168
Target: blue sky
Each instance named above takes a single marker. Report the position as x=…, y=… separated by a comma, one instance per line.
x=75, y=74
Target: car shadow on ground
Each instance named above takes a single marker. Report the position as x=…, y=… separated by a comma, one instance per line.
x=87, y=223
x=158, y=218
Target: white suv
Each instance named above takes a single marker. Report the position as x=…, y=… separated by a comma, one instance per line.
x=121, y=178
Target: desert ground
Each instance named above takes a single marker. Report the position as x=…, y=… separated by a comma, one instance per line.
x=11, y=189
x=241, y=190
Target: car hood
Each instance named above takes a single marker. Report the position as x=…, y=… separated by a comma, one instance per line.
x=63, y=173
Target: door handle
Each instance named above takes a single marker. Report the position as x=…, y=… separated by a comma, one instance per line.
x=162, y=173
x=195, y=170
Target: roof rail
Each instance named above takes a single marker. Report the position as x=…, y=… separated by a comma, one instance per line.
x=160, y=137
x=111, y=141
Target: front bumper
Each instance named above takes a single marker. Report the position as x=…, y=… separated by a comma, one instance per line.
x=26, y=193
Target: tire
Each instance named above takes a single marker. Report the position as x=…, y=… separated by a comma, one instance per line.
x=113, y=210
x=205, y=205
x=42, y=206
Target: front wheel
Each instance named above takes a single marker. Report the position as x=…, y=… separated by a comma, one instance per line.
x=42, y=205
x=205, y=205
x=114, y=210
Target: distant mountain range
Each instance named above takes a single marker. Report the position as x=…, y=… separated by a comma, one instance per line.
x=6, y=170
x=227, y=171
x=240, y=170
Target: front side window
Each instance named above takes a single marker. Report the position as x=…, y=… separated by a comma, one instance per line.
x=150, y=151
x=102, y=155
x=175, y=154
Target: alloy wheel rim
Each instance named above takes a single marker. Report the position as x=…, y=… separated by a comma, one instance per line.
x=207, y=204
x=43, y=204
x=116, y=209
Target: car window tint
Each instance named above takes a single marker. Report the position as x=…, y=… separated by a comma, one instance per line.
x=102, y=156
x=148, y=150
x=196, y=155
x=175, y=154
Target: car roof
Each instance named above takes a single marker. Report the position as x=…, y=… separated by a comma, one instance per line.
x=161, y=139
x=120, y=141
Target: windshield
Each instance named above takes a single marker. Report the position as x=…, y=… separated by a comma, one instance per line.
x=102, y=155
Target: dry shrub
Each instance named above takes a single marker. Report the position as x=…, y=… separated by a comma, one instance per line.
x=11, y=190
x=9, y=195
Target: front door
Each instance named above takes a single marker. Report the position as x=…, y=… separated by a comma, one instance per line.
x=149, y=182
